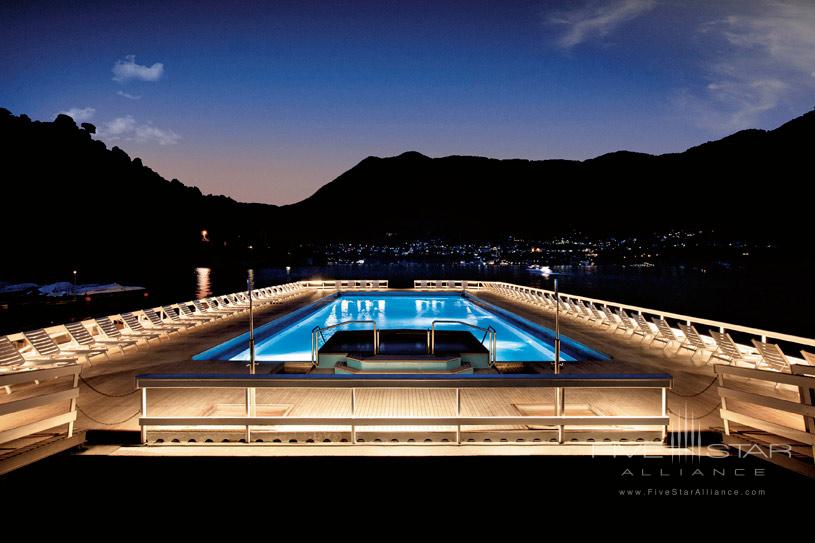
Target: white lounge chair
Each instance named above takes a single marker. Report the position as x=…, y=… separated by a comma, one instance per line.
x=132, y=323
x=729, y=351
x=615, y=323
x=694, y=341
x=629, y=325
x=46, y=347
x=157, y=324
x=175, y=318
x=12, y=360
x=185, y=313
x=772, y=356
x=109, y=330
x=81, y=336
x=666, y=333
x=200, y=308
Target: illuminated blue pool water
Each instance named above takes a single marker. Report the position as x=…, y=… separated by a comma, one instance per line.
x=289, y=338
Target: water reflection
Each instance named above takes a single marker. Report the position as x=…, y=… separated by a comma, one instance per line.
x=203, y=286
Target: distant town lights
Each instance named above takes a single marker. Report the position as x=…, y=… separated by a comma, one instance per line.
x=204, y=235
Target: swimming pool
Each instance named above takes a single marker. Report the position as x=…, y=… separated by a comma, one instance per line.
x=288, y=339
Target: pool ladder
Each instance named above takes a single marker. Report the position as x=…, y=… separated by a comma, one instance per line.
x=317, y=334
x=489, y=331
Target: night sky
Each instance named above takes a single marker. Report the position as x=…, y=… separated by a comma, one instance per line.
x=267, y=102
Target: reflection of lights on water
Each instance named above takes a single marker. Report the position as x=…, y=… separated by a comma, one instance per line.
x=203, y=286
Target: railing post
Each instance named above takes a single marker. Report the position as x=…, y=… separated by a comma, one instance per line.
x=144, y=414
x=458, y=414
x=664, y=412
x=249, y=409
x=73, y=405
x=725, y=421
x=353, y=414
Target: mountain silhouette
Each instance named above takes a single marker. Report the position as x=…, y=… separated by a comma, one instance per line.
x=69, y=200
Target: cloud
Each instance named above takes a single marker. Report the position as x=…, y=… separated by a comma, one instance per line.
x=596, y=19
x=765, y=60
x=80, y=115
x=128, y=129
x=127, y=69
x=128, y=95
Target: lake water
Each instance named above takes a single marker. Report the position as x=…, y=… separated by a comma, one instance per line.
x=778, y=299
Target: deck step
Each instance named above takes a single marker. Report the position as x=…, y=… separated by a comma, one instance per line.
x=342, y=367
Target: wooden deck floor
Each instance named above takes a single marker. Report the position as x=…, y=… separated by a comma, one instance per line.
x=112, y=403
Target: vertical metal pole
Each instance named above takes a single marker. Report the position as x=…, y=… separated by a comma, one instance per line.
x=251, y=327
x=558, y=390
x=557, y=330
x=250, y=392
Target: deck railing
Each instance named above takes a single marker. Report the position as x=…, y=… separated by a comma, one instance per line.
x=741, y=414
x=447, y=284
x=347, y=284
x=61, y=336
x=29, y=413
x=354, y=420
x=764, y=335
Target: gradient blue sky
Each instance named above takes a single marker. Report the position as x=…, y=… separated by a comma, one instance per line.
x=268, y=101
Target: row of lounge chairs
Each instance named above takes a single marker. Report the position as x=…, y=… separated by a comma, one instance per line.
x=658, y=332
x=137, y=329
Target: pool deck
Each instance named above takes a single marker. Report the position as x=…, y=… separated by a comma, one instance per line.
x=114, y=405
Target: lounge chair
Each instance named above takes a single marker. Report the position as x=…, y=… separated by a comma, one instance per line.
x=132, y=323
x=110, y=331
x=597, y=316
x=157, y=324
x=648, y=332
x=614, y=321
x=222, y=306
x=629, y=325
x=694, y=341
x=185, y=313
x=583, y=311
x=809, y=357
x=81, y=336
x=46, y=347
x=177, y=318
x=666, y=333
x=772, y=356
x=210, y=310
x=729, y=351
x=12, y=360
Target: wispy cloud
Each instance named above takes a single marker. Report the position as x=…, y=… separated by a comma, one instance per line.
x=765, y=60
x=128, y=95
x=80, y=114
x=127, y=69
x=596, y=19
x=128, y=129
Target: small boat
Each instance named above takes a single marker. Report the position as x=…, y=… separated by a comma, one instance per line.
x=537, y=268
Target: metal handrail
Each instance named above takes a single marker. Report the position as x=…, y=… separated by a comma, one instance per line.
x=493, y=345
x=315, y=342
